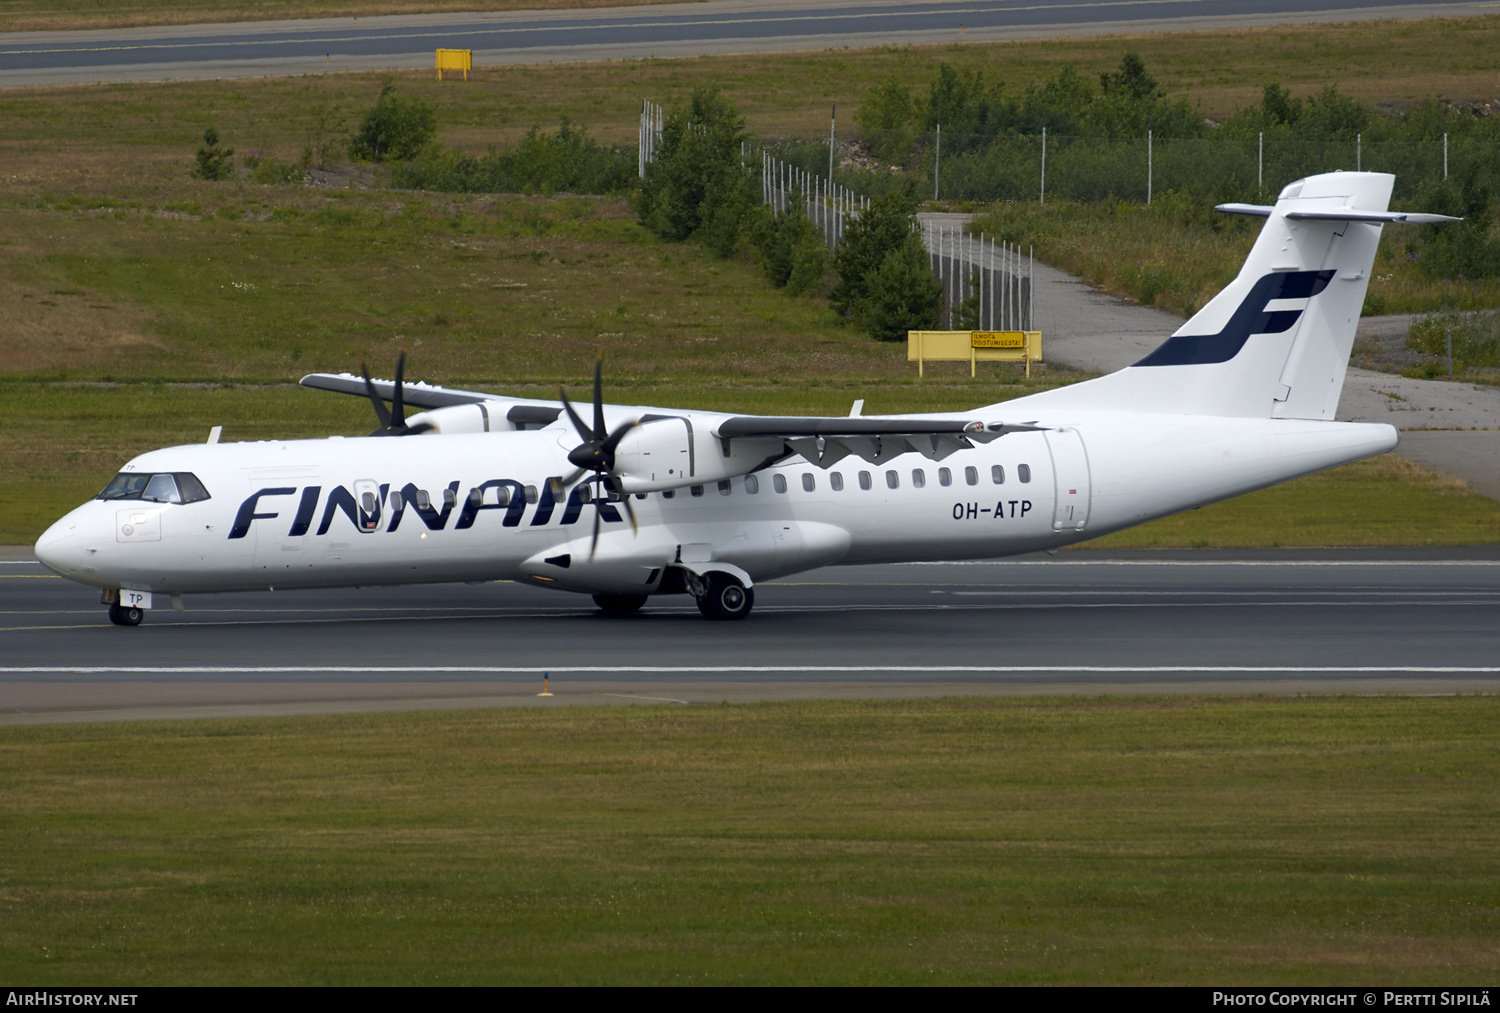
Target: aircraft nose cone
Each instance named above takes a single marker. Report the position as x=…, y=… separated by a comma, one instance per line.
x=60, y=549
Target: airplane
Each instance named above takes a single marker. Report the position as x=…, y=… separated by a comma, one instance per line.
x=479, y=487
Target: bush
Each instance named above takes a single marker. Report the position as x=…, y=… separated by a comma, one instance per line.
x=398, y=128
x=567, y=162
x=213, y=161
x=1476, y=338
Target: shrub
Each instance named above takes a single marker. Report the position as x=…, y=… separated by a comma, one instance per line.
x=568, y=162
x=398, y=127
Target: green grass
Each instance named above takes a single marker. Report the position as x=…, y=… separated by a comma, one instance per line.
x=1139, y=841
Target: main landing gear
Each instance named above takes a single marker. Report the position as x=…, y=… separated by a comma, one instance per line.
x=719, y=595
x=724, y=597
x=619, y=604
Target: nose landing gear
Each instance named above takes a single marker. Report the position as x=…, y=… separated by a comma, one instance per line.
x=125, y=615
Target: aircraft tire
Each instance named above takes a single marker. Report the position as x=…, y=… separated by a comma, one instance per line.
x=725, y=598
x=122, y=615
x=619, y=604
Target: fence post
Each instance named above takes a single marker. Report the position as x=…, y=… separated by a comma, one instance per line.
x=937, y=160
x=1359, y=143
x=833, y=116
x=1445, y=154
x=1043, y=198
x=1148, y=167
x=1260, y=163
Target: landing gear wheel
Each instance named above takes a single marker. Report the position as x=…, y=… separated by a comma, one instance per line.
x=725, y=597
x=124, y=615
x=619, y=604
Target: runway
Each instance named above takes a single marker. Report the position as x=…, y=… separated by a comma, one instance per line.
x=1409, y=621
x=720, y=26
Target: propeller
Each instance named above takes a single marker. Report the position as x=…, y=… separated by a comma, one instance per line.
x=595, y=454
x=392, y=421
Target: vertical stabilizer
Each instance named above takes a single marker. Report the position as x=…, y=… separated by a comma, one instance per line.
x=1275, y=342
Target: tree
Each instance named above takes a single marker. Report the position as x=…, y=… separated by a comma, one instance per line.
x=398, y=127
x=213, y=161
x=903, y=295
x=1130, y=81
x=877, y=231
x=691, y=180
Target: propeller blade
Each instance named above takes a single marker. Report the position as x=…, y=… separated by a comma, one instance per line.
x=398, y=402
x=598, y=515
x=599, y=430
x=635, y=528
x=583, y=430
x=614, y=440
x=559, y=485
x=380, y=410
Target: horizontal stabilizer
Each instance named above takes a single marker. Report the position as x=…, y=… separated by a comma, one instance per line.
x=1378, y=217
x=1340, y=215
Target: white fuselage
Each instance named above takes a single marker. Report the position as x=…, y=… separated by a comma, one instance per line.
x=344, y=512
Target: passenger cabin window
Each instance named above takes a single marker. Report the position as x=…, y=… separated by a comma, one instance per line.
x=696, y=490
x=836, y=482
x=1024, y=471
x=918, y=478
x=367, y=502
x=724, y=487
x=971, y=475
x=423, y=502
x=531, y=494
x=892, y=480
x=945, y=477
x=450, y=498
x=752, y=484
x=778, y=482
x=502, y=496
x=176, y=487
x=864, y=481
x=997, y=475
x=808, y=482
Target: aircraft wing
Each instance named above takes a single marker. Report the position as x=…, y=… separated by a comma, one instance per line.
x=826, y=440
x=416, y=395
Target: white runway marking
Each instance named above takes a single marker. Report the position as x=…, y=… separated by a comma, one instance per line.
x=733, y=669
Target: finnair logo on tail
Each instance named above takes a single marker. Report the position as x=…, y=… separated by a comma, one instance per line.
x=1254, y=316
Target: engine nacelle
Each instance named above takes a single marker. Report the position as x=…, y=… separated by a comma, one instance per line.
x=461, y=418
x=670, y=452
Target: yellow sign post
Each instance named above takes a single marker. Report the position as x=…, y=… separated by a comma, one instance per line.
x=976, y=346
x=455, y=59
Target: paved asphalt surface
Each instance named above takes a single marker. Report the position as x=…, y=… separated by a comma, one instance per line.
x=720, y=26
x=1278, y=622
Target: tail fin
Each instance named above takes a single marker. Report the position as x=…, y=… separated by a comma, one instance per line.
x=1275, y=342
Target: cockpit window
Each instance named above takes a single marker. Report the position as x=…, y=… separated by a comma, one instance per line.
x=174, y=487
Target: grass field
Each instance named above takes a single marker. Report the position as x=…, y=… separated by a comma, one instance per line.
x=1089, y=841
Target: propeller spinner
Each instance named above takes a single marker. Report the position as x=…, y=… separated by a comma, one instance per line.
x=595, y=454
